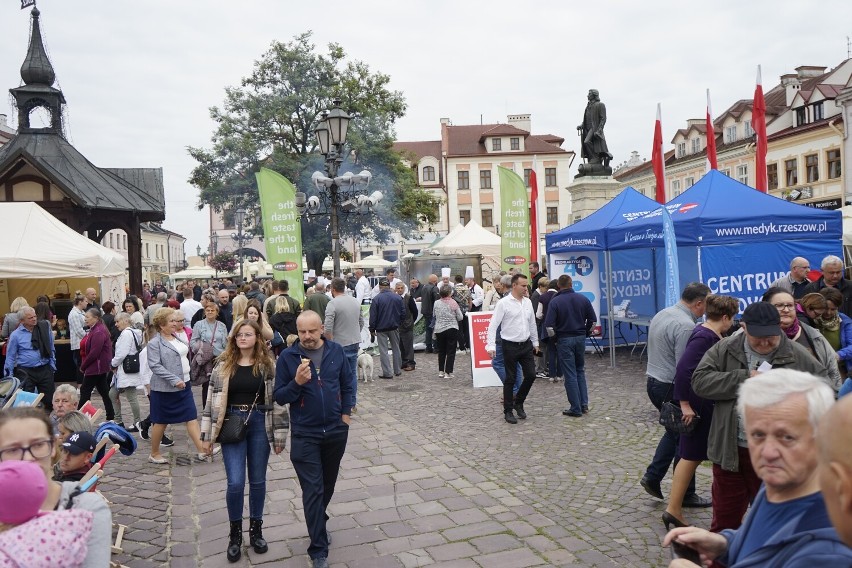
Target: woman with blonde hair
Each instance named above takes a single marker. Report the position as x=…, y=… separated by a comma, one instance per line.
x=242, y=389
x=238, y=307
x=284, y=319
x=254, y=312
x=171, y=395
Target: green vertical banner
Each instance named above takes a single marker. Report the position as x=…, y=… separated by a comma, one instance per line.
x=515, y=221
x=282, y=229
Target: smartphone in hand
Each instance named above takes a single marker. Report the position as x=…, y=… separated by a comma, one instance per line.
x=680, y=550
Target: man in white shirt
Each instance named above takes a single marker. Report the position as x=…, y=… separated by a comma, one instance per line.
x=76, y=333
x=189, y=306
x=362, y=287
x=519, y=338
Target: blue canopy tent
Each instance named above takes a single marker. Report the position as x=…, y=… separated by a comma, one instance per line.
x=731, y=237
x=580, y=249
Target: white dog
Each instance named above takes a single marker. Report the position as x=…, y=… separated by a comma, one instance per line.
x=365, y=366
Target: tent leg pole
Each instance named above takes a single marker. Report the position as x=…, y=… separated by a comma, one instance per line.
x=610, y=322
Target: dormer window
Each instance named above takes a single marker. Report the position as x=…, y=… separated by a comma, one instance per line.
x=730, y=134
x=681, y=149
x=801, y=116
x=496, y=144
x=428, y=173
x=696, y=145
x=515, y=143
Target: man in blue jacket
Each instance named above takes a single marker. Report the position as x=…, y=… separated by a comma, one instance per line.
x=313, y=377
x=788, y=525
x=387, y=312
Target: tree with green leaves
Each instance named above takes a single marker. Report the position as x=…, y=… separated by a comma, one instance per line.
x=269, y=121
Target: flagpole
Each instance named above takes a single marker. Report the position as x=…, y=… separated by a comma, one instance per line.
x=658, y=159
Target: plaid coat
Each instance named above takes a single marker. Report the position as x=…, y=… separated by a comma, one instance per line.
x=277, y=419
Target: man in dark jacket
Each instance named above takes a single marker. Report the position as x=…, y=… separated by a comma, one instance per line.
x=570, y=318
x=320, y=407
x=406, y=328
x=255, y=293
x=718, y=377
x=387, y=312
x=832, y=276
x=428, y=297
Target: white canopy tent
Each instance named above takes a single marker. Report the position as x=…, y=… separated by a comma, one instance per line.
x=472, y=238
x=373, y=262
x=38, y=246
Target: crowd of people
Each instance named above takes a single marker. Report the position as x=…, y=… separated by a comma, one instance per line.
x=749, y=394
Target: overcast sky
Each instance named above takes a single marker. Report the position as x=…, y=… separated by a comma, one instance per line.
x=139, y=77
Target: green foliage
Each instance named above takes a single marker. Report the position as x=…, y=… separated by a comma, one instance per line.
x=224, y=261
x=269, y=119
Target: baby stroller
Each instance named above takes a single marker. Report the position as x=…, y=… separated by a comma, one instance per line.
x=8, y=386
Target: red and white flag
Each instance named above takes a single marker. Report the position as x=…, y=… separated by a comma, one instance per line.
x=658, y=159
x=711, y=138
x=758, y=122
x=534, y=212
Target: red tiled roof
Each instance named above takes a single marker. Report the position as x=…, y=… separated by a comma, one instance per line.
x=420, y=149
x=700, y=128
x=467, y=140
x=791, y=130
x=830, y=91
x=552, y=138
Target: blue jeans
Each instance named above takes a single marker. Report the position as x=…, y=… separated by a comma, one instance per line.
x=252, y=452
x=499, y=366
x=572, y=361
x=351, y=352
x=660, y=392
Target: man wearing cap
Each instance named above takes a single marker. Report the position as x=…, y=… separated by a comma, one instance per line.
x=387, y=311
x=760, y=347
x=76, y=457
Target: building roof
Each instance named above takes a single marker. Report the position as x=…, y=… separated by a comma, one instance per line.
x=468, y=140
x=642, y=168
x=420, y=149
x=83, y=182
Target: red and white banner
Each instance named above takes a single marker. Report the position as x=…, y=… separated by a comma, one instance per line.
x=480, y=363
x=711, y=137
x=758, y=122
x=658, y=159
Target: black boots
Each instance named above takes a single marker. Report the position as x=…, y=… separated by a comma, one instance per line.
x=256, y=536
x=235, y=542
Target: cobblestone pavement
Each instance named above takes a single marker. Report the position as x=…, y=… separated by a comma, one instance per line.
x=433, y=476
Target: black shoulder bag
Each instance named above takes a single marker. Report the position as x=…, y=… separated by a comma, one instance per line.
x=130, y=363
x=234, y=428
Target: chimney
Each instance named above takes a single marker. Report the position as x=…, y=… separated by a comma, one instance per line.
x=3, y=120
x=695, y=122
x=810, y=71
x=792, y=84
x=521, y=121
x=445, y=139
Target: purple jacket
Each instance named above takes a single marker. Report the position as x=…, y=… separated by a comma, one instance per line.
x=98, y=351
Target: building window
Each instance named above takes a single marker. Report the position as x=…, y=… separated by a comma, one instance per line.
x=515, y=143
x=833, y=159
x=485, y=179
x=742, y=174
x=550, y=177
x=487, y=218
x=464, y=216
x=675, y=187
x=429, y=173
x=688, y=182
x=812, y=167
x=791, y=169
x=772, y=175
x=726, y=171
x=390, y=255
x=696, y=145
x=366, y=253
x=110, y=240
x=730, y=134
x=147, y=251
x=818, y=112
x=464, y=180
x=553, y=215
x=496, y=144
x=801, y=116
x=749, y=131
x=681, y=149
x=527, y=172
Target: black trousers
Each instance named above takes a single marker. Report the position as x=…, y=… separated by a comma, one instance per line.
x=101, y=382
x=38, y=379
x=514, y=353
x=447, y=341
x=316, y=459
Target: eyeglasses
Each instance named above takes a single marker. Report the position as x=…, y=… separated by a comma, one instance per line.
x=782, y=307
x=245, y=335
x=38, y=450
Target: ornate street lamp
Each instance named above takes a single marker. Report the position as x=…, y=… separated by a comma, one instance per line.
x=336, y=192
x=239, y=219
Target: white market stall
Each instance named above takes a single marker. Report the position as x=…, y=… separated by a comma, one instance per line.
x=472, y=238
x=41, y=255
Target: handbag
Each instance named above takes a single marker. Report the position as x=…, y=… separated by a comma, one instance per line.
x=671, y=417
x=234, y=427
x=130, y=363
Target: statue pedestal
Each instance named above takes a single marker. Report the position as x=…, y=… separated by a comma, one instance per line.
x=590, y=193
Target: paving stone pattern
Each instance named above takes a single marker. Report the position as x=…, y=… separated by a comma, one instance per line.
x=433, y=476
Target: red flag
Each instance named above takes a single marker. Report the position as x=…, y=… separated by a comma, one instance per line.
x=658, y=159
x=533, y=213
x=711, y=138
x=758, y=122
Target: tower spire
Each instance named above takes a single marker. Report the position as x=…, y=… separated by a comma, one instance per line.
x=37, y=69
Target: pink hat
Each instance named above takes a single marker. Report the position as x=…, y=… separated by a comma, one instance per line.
x=25, y=488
